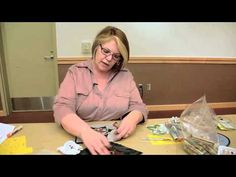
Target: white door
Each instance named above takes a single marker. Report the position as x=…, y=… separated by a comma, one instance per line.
x=30, y=54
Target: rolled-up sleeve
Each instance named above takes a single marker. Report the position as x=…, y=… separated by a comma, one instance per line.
x=136, y=102
x=64, y=103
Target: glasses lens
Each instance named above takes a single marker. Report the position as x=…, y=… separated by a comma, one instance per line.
x=107, y=52
x=116, y=57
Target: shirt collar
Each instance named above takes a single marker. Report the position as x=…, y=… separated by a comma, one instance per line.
x=85, y=64
x=89, y=65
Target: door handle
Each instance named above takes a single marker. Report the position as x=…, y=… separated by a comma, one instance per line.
x=50, y=57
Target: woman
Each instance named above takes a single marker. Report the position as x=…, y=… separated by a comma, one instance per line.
x=100, y=88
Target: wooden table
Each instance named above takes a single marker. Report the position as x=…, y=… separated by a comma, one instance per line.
x=45, y=138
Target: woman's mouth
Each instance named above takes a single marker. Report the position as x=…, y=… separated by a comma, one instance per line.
x=105, y=64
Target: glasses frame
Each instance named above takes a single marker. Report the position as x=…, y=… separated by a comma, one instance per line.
x=110, y=53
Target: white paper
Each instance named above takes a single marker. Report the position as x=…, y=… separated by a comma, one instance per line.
x=224, y=150
x=5, y=129
x=70, y=148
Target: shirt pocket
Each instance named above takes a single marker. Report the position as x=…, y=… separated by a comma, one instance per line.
x=81, y=96
x=122, y=94
x=121, y=101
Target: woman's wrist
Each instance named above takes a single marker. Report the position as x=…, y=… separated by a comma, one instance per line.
x=135, y=116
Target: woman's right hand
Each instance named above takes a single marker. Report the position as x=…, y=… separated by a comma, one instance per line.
x=96, y=142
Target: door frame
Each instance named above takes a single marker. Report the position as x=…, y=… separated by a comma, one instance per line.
x=4, y=88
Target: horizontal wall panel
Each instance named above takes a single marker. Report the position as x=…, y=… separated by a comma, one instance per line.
x=32, y=104
x=180, y=83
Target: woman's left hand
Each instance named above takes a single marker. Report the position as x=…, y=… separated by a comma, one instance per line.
x=126, y=127
x=128, y=124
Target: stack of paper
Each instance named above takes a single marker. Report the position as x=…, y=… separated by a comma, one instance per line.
x=5, y=129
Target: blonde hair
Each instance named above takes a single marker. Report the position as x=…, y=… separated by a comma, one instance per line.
x=112, y=33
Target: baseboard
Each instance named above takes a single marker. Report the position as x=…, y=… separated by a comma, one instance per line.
x=155, y=111
x=165, y=111
x=28, y=117
x=170, y=107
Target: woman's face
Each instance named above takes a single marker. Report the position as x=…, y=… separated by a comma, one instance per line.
x=107, y=55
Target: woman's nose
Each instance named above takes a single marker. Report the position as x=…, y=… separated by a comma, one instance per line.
x=109, y=57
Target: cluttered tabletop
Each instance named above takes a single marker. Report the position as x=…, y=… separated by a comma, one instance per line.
x=155, y=136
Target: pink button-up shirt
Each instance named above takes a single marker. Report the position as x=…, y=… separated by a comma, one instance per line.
x=79, y=94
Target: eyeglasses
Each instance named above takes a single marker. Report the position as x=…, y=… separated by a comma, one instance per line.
x=107, y=52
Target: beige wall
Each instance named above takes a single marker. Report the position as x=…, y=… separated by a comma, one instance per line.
x=155, y=39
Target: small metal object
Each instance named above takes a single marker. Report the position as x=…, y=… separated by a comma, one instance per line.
x=174, y=132
x=50, y=57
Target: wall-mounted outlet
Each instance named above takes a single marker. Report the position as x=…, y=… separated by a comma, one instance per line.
x=140, y=89
x=86, y=47
x=149, y=87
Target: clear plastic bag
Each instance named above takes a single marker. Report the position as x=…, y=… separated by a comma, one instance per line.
x=199, y=128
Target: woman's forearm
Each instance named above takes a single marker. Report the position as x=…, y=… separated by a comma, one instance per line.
x=74, y=125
